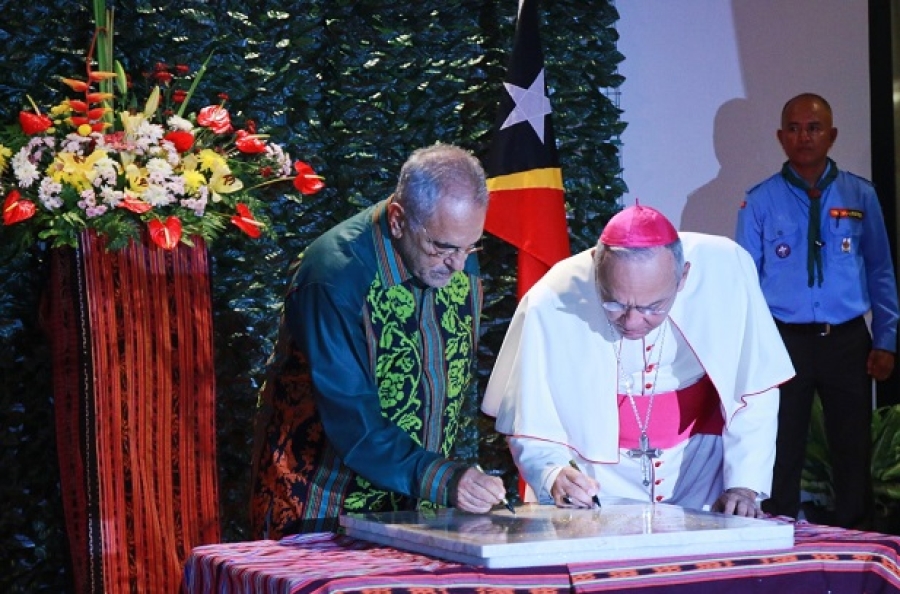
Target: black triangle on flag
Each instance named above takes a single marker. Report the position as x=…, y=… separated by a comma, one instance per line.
x=527, y=207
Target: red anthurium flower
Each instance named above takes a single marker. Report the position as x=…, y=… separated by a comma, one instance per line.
x=245, y=222
x=15, y=209
x=33, y=123
x=182, y=139
x=248, y=143
x=135, y=205
x=165, y=234
x=307, y=182
x=216, y=118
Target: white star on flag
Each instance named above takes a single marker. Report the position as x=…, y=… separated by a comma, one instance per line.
x=531, y=105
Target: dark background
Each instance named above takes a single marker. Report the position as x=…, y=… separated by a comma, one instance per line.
x=350, y=86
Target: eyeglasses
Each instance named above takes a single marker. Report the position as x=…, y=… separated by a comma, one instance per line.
x=657, y=309
x=445, y=250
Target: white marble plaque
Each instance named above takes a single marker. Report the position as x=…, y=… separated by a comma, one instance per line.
x=547, y=535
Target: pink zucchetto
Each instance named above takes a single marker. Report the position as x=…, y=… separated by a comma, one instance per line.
x=638, y=227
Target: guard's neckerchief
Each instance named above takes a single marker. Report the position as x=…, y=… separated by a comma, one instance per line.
x=814, y=241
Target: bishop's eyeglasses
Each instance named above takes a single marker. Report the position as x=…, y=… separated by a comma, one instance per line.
x=659, y=308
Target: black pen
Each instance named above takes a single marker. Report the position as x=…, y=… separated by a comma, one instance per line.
x=504, y=501
x=595, y=498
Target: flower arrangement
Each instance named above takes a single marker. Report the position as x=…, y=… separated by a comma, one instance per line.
x=84, y=165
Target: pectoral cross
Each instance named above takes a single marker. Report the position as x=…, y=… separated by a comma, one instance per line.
x=646, y=454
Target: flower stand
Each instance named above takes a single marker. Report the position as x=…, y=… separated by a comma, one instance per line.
x=134, y=390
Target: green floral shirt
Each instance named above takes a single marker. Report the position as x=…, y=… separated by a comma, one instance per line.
x=363, y=409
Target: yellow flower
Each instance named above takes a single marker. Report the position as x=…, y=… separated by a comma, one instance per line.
x=61, y=111
x=210, y=160
x=5, y=154
x=137, y=179
x=75, y=170
x=193, y=179
x=223, y=182
x=131, y=123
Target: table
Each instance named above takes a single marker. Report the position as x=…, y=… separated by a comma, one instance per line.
x=824, y=559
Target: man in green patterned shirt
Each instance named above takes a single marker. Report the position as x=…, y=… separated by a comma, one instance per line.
x=377, y=348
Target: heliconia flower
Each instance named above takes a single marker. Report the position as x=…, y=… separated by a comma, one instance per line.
x=182, y=69
x=307, y=182
x=98, y=75
x=245, y=222
x=15, y=209
x=79, y=106
x=85, y=126
x=135, y=205
x=182, y=140
x=98, y=97
x=165, y=234
x=79, y=86
x=34, y=123
x=249, y=143
x=216, y=118
x=97, y=113
x=179, y=95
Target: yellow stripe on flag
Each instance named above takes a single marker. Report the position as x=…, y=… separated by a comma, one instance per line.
x=533, y=178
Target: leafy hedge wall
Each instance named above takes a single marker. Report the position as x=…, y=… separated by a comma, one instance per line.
x=351, y=86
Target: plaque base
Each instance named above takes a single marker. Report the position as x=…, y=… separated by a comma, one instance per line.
x=547, y=535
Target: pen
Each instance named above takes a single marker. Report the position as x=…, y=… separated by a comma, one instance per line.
x=595, y=498
x=504, y=501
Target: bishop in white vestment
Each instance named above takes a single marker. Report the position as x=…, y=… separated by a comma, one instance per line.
x=650, y=364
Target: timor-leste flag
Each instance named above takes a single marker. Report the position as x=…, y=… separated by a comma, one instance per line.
x=527, y=206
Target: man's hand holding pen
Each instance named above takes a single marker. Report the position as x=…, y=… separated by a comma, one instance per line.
x=478, y=492
x=572, y=488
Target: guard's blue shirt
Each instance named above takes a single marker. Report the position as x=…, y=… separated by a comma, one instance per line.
x=858, y=272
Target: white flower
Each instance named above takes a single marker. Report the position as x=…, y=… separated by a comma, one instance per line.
x=276, y=153
x=111, y=196
x=157, y=196
x=106, y=172
x=158, y=171
x=48, y=194
x=179, y=123
x=26, y=171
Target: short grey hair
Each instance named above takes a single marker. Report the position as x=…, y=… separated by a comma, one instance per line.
x=437, y=172
x=604, y=252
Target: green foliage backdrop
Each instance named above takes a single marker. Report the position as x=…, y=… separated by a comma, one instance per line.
x=351, y=86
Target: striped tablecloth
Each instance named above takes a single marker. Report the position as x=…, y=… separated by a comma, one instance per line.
x=824, y=559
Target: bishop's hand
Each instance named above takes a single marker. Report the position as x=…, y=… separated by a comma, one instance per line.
x=574, y=489
x=738, y=501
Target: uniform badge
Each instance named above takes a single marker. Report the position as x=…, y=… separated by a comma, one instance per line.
x=846, y=213
x=846, y=245
x=782, y=250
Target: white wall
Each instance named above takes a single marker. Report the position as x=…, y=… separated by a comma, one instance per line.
x=705, y=81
